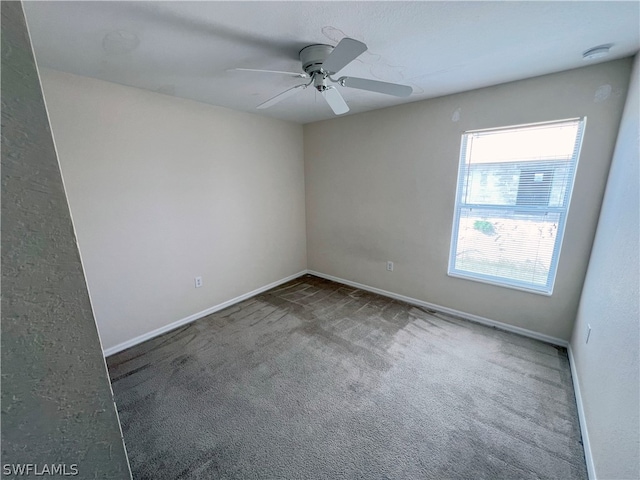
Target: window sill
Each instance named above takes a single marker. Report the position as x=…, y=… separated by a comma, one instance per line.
x=495, y=282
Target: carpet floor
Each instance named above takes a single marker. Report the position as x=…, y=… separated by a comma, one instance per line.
x=317, y=380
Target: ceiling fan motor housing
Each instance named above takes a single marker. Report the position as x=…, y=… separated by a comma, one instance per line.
x=312, y=58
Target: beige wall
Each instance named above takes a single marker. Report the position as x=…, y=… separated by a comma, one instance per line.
x=57, y=403
x=163, y=189
x=608, y=366
x=381, y=185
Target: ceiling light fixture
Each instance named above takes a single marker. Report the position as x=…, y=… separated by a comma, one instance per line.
x=597, y=52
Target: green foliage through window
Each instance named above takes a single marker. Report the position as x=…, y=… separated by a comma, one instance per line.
x=484, y=227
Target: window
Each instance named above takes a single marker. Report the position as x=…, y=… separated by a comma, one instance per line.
x=514, y=188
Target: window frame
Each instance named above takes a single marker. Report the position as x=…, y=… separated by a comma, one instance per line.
x=562, y=211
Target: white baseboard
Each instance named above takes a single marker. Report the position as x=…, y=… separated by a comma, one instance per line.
x=451, y=311
x=191, y=318
x=468, y=316
x=591, y=469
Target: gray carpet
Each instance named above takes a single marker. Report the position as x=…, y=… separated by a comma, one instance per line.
x=316, y=380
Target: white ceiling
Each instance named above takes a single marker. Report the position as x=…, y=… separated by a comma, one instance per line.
x=186, y=48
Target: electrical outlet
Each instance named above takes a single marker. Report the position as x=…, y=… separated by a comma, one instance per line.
x=390, y=266
x=588, y=333
x=198, y=281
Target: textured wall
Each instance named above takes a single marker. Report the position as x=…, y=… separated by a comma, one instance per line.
x=609, y=365
x=381, y=186
x=164, y=189
x=57, y=404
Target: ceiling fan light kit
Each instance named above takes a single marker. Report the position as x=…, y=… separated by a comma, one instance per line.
x=319, y=62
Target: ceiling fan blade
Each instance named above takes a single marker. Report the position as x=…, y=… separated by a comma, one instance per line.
x=294, y=74
x=335, y=101
x=344, y=53
x=281, y=96
x=394, y=89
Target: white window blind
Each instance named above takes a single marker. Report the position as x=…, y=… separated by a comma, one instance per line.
x=513, y=194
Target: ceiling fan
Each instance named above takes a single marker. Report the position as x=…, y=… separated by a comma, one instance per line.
x=320, y=62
